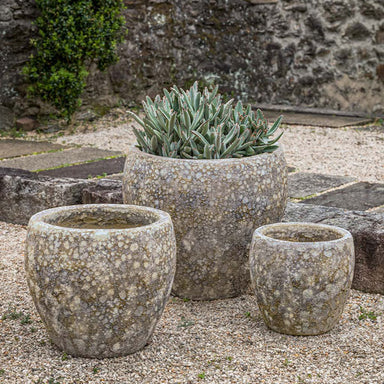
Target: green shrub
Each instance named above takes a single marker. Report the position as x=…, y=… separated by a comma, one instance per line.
x=71, y=35
x=198, y=125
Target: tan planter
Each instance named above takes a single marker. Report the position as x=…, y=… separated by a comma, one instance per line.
x=215, y=206
x=100, y=285
x=302, y=274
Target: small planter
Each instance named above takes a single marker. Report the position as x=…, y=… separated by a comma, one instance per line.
x=215, y=206
x=100, y=275
x=302, y=274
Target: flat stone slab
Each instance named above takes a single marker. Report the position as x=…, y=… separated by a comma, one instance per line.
x=367, y=229
x=57, y=159
x=317, y=120
x=303, y=184
x=13, y=148
x=88, y=170
x=360, y=196
x=23, y=194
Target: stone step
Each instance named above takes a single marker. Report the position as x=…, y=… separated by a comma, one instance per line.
x=14, y=148
x=302, y=184
x=58, y=159
x=317, y=120
x=88, y=170
x=359, y=196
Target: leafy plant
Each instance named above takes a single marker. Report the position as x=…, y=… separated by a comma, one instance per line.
x=367, y=315
x=71, y=36
x=198, y=125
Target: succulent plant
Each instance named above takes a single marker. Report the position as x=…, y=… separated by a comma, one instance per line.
x=199, y=125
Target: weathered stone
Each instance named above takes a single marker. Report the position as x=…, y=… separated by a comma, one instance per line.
x=368, y=234
x=302, y=273
x=303, y=184
x=215, y=206
x=14, y=147
x=275, y=44
x=380, y=72
x=57, y=159
x=100, y=275
x=89, y=170
x=360, y=196
x=26, y=124
x=372, y=12
x=22, y=194
x=104, y=192
x=357, y=31
x=7, y=119
x=380, y=36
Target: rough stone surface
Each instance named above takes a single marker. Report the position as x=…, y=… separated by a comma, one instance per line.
x=57, y=159
x=101, y=291
x=215, y=206
x=86, y=170
x=367, y=229
x=303, y=184
x=301, y=274
x=318, y=120
x=7, y=118
x=26, y=124
x=104, y=192
x=15, y=148
x=316, y=53
x=22, y=194
x=360, y=196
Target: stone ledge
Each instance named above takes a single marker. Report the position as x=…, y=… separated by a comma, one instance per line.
x=367, y=229
x=22, y=194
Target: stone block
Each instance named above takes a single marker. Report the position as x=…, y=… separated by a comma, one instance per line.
x=359, y=196
x=22, y=194
x=104, y=192
x=367, y=229
x=26, y=124
x=303, y=184
x=7, y=119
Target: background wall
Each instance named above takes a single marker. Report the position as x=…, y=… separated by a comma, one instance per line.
x=309, y=53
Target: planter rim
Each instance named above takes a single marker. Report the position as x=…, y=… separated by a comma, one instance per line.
x=134, y=149
x=39, y=219
x=343, y=232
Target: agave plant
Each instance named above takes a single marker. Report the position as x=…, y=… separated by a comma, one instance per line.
x=199, y=125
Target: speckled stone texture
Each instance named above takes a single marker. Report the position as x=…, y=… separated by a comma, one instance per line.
x=302, y=274
x=100, y=292
x=215, y=206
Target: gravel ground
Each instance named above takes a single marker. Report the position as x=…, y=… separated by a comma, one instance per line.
x=224, y=341
x=355, y=151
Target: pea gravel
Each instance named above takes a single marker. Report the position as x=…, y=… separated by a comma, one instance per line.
x=223, y=341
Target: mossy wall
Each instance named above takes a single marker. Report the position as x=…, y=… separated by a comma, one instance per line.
x=308, y=53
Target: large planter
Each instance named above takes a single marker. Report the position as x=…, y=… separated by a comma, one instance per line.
x=100, y=275
x=215, y=206
x=302, y=274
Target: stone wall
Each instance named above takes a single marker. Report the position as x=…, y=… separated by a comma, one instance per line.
x=308, y=53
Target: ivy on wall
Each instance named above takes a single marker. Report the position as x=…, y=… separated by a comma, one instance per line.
x=72, y=34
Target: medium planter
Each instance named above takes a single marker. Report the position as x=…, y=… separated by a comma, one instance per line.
x=100, y=275
x=302, y=274
x=215, y=206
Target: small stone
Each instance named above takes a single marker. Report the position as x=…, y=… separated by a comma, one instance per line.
x=26, y=124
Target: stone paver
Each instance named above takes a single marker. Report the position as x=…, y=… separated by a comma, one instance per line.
x=57, y=159
x=86, y=170
x=14, y=148
x=303, y=184
x=317, y=120
x=360, y=196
